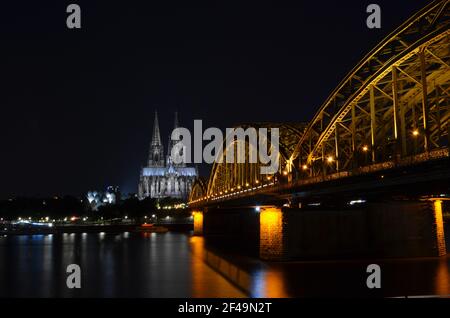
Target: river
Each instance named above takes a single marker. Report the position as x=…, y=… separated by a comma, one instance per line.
x=179, y=265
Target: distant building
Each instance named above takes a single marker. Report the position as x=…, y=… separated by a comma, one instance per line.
x=98, y=198
x=161, y=177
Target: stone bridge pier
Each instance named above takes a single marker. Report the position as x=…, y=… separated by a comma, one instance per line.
x=385, y=229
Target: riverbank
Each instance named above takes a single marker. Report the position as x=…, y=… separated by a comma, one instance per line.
x=89, y=228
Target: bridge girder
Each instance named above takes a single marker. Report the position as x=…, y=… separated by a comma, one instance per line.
x=199, y=189
x=232, y=177
x=393, y=105
x=380, y=110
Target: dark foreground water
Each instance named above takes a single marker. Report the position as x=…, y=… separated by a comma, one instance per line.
x=178, y=265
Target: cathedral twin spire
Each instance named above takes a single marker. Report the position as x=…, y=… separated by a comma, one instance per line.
x=161, y=177
x=156, y=155
x=156, y=138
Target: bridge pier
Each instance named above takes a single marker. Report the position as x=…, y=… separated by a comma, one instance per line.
x=232, y=228
x=383, y=229
x=388, y=229
x=273, y=225
x=198, y=223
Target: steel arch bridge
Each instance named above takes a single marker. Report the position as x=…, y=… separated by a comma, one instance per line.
x=392, y=107
x=227, y=178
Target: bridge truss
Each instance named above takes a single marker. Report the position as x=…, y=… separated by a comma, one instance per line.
x=393, y=106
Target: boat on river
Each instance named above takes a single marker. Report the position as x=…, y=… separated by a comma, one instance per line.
x=151, y=228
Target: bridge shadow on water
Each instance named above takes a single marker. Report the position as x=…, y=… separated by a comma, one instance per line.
x=322, y=278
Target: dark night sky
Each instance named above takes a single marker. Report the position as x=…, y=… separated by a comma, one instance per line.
x=77, y=105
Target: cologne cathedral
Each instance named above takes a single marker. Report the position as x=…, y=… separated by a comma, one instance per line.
x=161, y=178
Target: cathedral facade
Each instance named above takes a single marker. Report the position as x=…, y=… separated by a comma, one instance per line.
x=161, y=178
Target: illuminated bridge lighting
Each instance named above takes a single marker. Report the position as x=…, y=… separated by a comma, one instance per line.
x=388, y=112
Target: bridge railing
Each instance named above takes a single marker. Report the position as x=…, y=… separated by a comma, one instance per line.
x=402, y=162
x=382, y=166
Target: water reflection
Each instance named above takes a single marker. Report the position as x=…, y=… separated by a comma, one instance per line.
x=205, y=276
x=268, y=284
x=400, y=277
x=177, y=265
x=442, y=286
x=112, y=265
x=250, y=276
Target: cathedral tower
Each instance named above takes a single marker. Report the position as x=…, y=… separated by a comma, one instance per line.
x=162, y=178
x=156, y=154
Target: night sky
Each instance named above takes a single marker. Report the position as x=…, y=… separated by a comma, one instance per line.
x=77, y=105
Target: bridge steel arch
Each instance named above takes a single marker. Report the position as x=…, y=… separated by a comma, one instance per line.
x=199, y=189
x=227, y=178
x=393, y=104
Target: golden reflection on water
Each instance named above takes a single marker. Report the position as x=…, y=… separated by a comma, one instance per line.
x=442, y=278
x=198, y=280
x=269, y=284
x=197, y=245
x=440, y=233
x=263, y=283
x=275, y=287
x=205, y=281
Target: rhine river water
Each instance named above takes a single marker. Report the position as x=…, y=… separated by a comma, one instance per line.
x=178, y=265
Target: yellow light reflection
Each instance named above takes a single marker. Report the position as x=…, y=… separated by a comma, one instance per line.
x=442, y=279
x=440, y=236
x=207, y=280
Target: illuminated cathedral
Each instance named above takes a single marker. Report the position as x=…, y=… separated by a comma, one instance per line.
x=161, y=178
